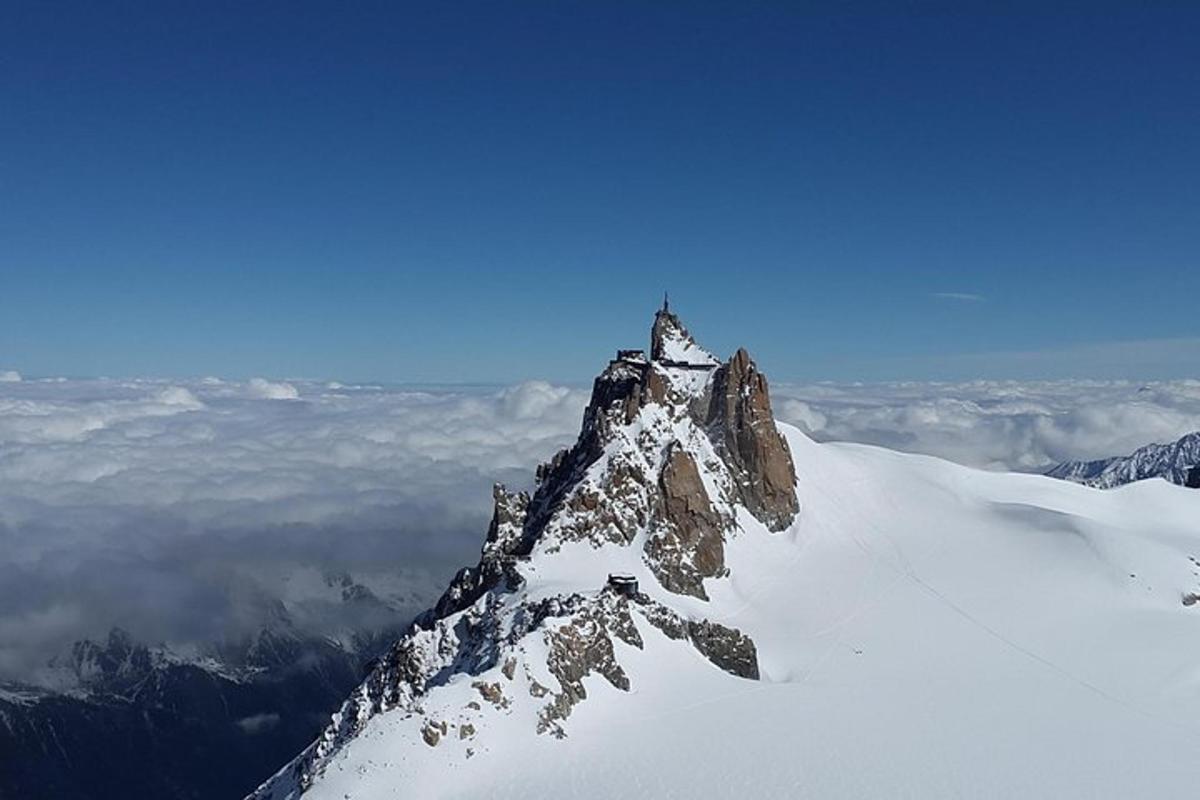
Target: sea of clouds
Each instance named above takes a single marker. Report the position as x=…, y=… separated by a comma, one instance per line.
x=1003, y=425
x=186, y=512
x=183, y=511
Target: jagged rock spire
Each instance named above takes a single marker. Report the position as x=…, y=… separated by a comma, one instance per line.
x=628, y=473
x=742, y=426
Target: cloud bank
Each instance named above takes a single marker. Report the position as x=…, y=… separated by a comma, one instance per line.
x=184, y=512
x=1017, y=425
x=187, y=512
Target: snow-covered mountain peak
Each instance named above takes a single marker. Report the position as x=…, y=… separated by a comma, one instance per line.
x=677, y=611
x=667, y=453
x=625, y=533
x=1177, y=462
x=119, y=660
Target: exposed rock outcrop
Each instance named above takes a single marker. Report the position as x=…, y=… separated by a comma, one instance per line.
x=508, y=520
x=742, y=427
x=497, y=558
x=618, y=394
x=580, y=647
x=687, y=544
x=671, y=344
x=727, y=648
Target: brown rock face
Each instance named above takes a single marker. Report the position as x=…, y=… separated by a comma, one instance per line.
x=688, y=545
x=742, y=428
x=618, y=394
x=727, y=648
x=577, y=649
x=508, y=519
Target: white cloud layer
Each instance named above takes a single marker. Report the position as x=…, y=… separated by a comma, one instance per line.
x=266, y=390
x=184, y=511
x=181, y=511
x=1019, y=425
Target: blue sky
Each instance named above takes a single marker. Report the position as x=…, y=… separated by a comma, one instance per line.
x=501, y=191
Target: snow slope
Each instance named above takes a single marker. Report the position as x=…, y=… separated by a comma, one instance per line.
x=918, y=629
x=923, y=629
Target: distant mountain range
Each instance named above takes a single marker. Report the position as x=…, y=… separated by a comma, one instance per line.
x=137, y=721
x=1176, y=462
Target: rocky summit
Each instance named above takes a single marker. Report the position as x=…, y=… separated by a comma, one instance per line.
x=676, y=449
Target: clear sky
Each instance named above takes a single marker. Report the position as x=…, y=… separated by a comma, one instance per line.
x=456, y=191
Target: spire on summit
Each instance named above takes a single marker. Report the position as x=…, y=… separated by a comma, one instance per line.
x=671, y=344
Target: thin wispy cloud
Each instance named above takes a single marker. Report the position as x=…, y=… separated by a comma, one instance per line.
x=960, y=297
